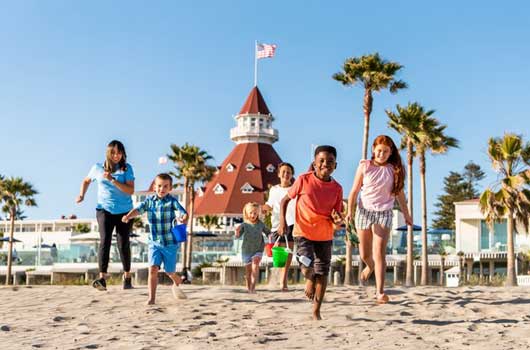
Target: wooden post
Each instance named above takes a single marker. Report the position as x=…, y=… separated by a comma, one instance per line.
x=469, y=269
x=481, y=272
x=492, y=269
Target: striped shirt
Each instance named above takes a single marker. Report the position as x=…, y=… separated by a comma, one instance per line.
x=161, y=214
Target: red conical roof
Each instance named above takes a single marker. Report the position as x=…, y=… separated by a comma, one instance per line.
x=255, y=104
x=232, y=200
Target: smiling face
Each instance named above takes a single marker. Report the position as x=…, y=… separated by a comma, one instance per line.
x=252, y=214
x=162, y=187
x=381, y=153
x=115, y=154
x=285, y=174
x=324, y=165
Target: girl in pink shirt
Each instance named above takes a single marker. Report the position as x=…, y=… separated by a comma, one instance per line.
x=381, y=180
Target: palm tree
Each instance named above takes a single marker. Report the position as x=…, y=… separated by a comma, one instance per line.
x=375, y=74
x=81, y=228
x=207, y=221
x=443, y=256
x=192, y=168
x=510, y=157
x=432, y=137
x=14, y=193
x=407, y=122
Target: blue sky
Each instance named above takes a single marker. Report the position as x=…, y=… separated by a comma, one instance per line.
x=76, y=75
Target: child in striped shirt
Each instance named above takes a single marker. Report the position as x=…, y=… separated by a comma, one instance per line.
x=381, y=180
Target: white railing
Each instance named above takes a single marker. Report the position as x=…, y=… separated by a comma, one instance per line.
x=523, y=281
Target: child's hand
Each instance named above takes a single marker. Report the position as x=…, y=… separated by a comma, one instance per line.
x=281, y=228
x=336, y=217
x=183, y=218
x=79, y=199
x=238, y=231
x=125, y=219
x=107, y=176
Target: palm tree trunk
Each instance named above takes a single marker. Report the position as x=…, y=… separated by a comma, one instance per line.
x=367, y=107
x=424, y=257
x=442, y=265
x=183, y=245
x=348, y=280
x=10, y=249
x=511, y=279
x=409, y=276
x=189, y=248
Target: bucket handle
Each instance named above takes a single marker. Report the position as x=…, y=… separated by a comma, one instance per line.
x=286, y=243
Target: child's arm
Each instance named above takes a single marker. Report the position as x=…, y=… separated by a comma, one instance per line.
x=283, y=210
x=130, y=215
x=266, y=230
x=178, y=207
x=352, y=198
x=238, y=231
x=404, y=208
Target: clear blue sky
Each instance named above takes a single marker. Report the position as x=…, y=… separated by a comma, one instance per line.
x=74, y=75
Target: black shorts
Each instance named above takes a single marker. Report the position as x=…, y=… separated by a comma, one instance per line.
x=318, y=251
x=288, y=233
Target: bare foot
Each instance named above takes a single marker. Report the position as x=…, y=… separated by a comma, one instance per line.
x=382, y=299
x=316, y=316
x=150, y=302
x=285, y=289
x=178, y=293
x=309, y=289
x=366, y=273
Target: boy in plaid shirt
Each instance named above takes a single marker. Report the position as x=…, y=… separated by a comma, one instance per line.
x=160, y=209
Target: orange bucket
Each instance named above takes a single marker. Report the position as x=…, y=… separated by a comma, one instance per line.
x=268, y=249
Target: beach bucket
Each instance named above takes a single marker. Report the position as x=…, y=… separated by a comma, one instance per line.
x=279, y=256
x=179, y=233
x=268, y=249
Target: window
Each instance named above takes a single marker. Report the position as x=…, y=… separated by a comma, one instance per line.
x=250, y=167
x=247, y=188
x=252, y=123
x=219, y=189
x=270, y=168
x=230, y=167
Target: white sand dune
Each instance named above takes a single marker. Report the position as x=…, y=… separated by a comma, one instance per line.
x=421, y=318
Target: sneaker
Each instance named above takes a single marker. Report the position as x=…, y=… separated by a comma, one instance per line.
x=127, y=283
x=100, y=284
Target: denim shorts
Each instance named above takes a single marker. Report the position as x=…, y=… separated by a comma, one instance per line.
x=159, y=254
x=247, y=258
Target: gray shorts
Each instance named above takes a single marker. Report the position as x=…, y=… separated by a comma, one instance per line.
x=318, y=251
x=364, y=218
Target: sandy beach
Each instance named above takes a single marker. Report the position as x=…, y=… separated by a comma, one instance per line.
x=78, y=317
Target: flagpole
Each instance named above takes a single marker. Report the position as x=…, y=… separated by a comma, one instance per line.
x=256, y=64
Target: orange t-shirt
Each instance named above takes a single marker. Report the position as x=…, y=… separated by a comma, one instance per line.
x=315, y=201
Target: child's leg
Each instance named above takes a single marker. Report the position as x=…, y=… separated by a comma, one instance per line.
x=177, y=292
x=248, y=274
x=322, y=265
x=305, y=248
x=379, y=251
x=255, y=271
x=152, y=281
x=365, y=251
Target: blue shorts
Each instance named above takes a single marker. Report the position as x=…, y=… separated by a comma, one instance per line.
x=247, y=258
x=159, y=254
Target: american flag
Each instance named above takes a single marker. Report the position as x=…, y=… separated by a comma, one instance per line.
x=265, y=50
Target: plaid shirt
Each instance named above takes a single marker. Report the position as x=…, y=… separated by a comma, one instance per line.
x=161, y=214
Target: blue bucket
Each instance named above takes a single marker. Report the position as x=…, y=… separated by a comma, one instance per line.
x=179, y=233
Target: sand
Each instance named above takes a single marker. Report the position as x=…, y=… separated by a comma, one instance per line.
x=421, y=318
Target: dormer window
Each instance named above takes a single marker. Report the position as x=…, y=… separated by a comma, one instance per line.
x=247, y=188
x=250, y=167
x=218, y=189
x=270, y=168
x=230, y=167
x=200, y=192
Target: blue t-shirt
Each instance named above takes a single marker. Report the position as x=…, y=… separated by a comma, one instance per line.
x=110, y=197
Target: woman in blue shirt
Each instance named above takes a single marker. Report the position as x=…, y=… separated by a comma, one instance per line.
x=115, y=179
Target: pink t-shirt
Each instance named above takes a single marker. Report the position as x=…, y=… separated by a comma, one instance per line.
x=378, y=182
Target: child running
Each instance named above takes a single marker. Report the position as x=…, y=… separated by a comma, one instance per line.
x=252, y=230
x=161, y=209
x=276, y=194
x=319, y=202
x=381, y=180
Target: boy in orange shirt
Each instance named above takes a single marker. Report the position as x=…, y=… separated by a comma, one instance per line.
x=319, y=202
